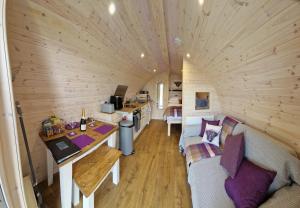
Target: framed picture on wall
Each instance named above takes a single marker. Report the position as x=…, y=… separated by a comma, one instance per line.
x=202, y=101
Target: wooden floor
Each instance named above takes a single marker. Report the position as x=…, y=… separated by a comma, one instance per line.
x=155, y=176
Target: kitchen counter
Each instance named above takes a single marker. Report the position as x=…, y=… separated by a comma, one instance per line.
x=131, y=109
x=127, y=113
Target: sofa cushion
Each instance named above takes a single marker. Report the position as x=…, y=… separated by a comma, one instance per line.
x=261, y=149
x=212, y=134
x=206, y=179
x=239, y=128
x=233, y=153
x=249, y=187
x=192, y=140
x=221, y=117
x=228, y=126
x=287, y=197
x=203, y=125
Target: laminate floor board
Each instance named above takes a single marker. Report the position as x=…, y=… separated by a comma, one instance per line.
x=153, y=177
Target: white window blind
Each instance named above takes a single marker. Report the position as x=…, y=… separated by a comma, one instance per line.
x=160, y=95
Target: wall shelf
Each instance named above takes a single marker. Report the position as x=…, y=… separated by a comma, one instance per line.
x=175, y=90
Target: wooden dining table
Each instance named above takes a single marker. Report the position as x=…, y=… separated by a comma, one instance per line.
x=65, y=167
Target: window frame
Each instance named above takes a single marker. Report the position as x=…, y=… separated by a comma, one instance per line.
x=160, y=95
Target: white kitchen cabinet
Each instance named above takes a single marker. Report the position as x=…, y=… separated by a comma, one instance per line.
x=145, y=116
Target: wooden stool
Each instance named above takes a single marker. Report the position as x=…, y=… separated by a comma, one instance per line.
x=92, y=170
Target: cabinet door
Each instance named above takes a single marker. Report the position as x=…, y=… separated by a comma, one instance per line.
x=149, y=117
x=143, y=122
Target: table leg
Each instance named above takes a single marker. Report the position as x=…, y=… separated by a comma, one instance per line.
x=49, y=167
x=169, y=129
x=116, y=172
x=65, y=180
x=76, y=194
x=88, y=202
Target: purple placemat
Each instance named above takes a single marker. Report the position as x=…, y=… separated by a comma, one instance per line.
x=104, y=129
x=82, y=141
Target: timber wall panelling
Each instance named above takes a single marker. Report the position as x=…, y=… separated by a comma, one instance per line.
x=66, y=55
x=71, y=54
x=194, y=80
x=251, y=54
x=151, y=86
x=11, y=177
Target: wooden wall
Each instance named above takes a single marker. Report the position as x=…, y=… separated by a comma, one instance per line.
x=195, y=80
x=66, y=55
x=151, y=86
x=11, y=176
x=71, y=54
x=172, y=87
x=250, y=52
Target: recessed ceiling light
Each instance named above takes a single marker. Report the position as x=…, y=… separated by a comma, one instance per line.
x=112, y=8
x=154, y=70
x=188, y=55
x=201, y=2
x=142, y=55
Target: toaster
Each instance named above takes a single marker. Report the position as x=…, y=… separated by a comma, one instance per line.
x=107, y=108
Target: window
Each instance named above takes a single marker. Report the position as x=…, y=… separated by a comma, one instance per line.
x=160, y=95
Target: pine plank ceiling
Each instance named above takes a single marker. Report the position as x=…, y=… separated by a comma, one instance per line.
x=164, y=30
x=151, y=27
x=137, y=27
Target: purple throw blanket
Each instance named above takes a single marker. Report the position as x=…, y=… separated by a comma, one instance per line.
x=196, y=152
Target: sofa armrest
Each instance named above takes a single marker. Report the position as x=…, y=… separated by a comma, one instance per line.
x=188, y=131
x=191, y=130
x=287, y=197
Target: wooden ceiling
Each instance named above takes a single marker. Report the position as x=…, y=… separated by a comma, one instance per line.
x=164, y=30
x=220, y=26
x=160, y=29
x=137, y=27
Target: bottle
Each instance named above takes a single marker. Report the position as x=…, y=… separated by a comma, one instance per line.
x=83, y=121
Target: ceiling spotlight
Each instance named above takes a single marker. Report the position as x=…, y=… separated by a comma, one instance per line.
x=188, y=55
x=112, y=8
x=154, y=70
x=142, y=55
x=201, y=2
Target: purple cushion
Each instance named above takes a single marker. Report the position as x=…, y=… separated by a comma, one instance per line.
x=233, y=153
x=249, y=187
x=228, y=127
x=203, y=125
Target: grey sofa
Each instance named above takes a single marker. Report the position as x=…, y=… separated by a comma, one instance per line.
x=206, y=177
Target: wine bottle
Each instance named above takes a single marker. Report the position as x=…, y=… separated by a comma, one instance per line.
x=83, y=121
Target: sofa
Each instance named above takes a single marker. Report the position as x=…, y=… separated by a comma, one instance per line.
x=206, y=177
